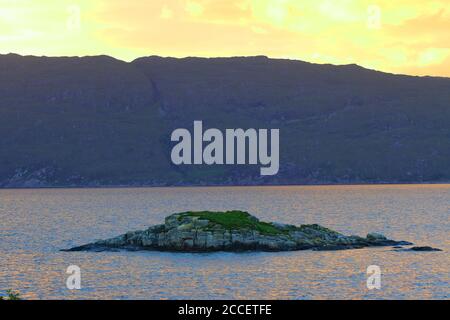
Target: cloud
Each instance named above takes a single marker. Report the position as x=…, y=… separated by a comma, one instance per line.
x=412, y=35
x=194, y=8
x=166, y=13
x=436, y=69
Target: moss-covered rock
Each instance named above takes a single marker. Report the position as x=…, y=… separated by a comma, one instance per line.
x=233, y=231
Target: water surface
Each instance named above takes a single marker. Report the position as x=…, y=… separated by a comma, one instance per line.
x=36, y=223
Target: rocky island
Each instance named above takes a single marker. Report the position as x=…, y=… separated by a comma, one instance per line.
x=233, y=231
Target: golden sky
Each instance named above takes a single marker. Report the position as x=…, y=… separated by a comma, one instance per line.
x=399, y=36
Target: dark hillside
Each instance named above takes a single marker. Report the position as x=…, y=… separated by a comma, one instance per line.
x=100, y=121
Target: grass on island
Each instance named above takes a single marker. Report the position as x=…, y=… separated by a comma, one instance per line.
x=234, y=220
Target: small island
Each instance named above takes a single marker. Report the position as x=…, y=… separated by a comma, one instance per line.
x=208, y=231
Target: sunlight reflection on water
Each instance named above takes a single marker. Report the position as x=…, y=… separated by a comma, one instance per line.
x=35, y=224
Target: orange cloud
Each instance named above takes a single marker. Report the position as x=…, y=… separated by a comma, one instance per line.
x=403, y=36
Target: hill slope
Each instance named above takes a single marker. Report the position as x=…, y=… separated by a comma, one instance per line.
x=99, y=121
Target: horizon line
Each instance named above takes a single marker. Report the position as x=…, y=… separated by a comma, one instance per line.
x=220, y=57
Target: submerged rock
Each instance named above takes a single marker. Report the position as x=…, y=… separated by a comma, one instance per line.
x=425, y=248
x=233, y=231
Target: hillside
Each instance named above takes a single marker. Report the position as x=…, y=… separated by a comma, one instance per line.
x=98, y=121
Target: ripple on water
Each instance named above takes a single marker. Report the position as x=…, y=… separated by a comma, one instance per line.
x=35, y=224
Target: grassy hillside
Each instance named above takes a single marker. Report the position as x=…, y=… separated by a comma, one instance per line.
x=100, y=121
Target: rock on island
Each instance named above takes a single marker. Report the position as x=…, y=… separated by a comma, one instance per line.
x=233, y=231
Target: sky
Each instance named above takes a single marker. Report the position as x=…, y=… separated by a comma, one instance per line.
x=401, y=36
